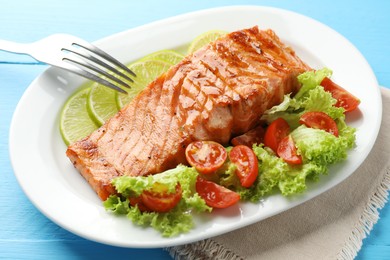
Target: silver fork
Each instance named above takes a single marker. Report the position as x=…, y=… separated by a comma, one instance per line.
x=75, y=55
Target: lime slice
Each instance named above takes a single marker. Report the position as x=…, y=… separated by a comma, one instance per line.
x=168, y=56
x=146, y=72
x=75, y=122
x=203, y=39
x=101, y=103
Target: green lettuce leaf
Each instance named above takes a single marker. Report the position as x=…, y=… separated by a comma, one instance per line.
x=169, y=224
x=321, y=147
x=311, y=79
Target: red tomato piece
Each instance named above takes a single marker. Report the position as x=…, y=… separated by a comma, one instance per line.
x=275, y=132
x=344, y=98
x=247, y=166
x=288, y=152
x=215, y=195
x=138, y=201
x=159, y=200
x=254, y=136
x=319, y=120
x=206, y=156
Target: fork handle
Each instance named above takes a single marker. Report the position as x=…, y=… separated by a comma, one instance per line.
x=14, y=47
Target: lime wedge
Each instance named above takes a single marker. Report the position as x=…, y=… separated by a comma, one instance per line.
x=75, y=122
x=168, y=56
x=101, y=103
x=146, y=72
x=203, y=39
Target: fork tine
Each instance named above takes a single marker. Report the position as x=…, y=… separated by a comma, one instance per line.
x=101, y=63
x=104, y=55
x=74, y=69
x=96, y=69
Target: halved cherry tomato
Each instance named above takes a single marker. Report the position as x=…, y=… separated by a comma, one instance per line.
x=319, y=120
x=246, y=162
x=254, y=136
x=275, y=132
x=288, y=152
x=344, y=99
x=138, y=201
x=206, y=156
x=215, y=195
x=159, y=200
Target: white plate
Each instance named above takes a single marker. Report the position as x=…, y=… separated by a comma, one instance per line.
x=58, y=191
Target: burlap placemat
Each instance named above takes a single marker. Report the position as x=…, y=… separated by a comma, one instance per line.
x=330, y=226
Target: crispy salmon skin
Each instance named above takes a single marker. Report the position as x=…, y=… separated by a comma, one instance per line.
x=216, y=93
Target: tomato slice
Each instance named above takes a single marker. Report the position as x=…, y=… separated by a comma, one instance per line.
x=254, y=136
x=138, y=201
x=247, y=166
x=319, y=120
x=206, y=156
x=275, y=132
x=344, y=98
x=159, y=200
x=288, y=152
x=215, y=195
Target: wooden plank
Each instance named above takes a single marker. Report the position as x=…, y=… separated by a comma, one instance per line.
x=77, y=249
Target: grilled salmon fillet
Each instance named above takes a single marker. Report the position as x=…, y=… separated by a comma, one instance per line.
x=216, y=93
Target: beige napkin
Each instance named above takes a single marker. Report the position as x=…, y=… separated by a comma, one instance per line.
x=330, y=226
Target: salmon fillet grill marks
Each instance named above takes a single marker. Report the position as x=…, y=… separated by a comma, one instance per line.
x=216, y=93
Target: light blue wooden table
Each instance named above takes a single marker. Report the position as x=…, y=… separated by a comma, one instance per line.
x=24, y=231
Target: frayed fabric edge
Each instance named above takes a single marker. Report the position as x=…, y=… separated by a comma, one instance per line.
x=205, y=249
x=367, y=220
